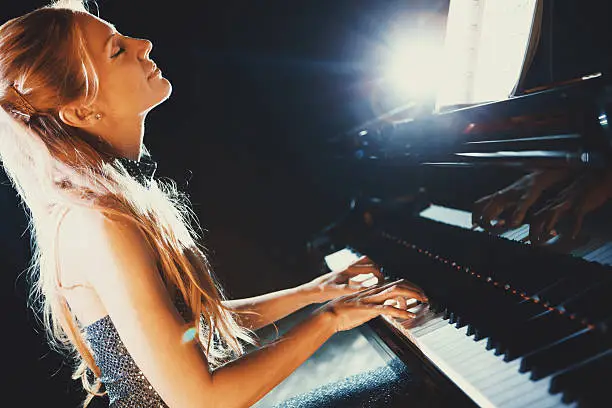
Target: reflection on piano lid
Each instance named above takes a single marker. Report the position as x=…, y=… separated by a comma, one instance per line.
x=595, y=248
x=561, y=126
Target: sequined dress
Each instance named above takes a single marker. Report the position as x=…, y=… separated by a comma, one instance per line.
x=127, y=386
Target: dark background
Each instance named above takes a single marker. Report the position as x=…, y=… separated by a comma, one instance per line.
x=260, y=87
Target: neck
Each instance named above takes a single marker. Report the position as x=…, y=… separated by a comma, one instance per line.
x=125, y=137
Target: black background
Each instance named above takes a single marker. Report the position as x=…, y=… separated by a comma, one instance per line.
x=259, y=89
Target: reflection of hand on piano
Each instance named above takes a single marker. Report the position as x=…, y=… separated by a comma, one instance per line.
x=516, y=199
x=582, y=196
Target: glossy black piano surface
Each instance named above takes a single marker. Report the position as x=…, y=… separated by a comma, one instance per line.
x=510, y=324
x=544, y=314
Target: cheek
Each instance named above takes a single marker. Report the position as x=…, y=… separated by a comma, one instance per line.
x=127, y=91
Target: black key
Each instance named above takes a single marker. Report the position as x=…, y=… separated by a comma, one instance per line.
x=584, y=380
x=572, y=380
x=520, y=315
x=566, y=288
x=461, y=322
x=593, y=304
x=565, y=353
x=536, y=333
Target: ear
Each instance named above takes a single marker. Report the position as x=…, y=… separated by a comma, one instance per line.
x=77, y=116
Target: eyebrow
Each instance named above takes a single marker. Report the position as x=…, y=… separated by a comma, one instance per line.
x=108, y=40
x=111, y=36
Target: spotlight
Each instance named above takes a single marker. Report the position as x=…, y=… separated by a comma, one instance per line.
x=411, y=66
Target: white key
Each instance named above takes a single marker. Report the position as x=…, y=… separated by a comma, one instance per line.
x=484, y=377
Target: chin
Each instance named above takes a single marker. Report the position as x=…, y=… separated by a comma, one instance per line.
x=164, y=92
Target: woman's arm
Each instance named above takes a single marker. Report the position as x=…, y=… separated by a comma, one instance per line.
x=241, y=383
x=259, y=311
x=118, y=264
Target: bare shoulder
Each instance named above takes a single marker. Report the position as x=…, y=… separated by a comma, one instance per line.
x=105, y=249
x=97, y=226
x=89, y=240
x=122, y=271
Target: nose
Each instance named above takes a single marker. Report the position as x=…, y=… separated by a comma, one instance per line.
x=146, y=47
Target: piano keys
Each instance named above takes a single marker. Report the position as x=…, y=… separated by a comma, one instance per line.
x=509, y=324
x=508, y=334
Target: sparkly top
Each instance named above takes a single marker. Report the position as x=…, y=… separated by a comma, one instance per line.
x=142, y=170
x=125, y=384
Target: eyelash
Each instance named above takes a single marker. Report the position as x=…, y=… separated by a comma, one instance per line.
x=121, y=51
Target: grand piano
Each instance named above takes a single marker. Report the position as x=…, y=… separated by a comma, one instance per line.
x=509, y=324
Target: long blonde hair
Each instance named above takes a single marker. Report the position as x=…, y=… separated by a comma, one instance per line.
x=44, y=64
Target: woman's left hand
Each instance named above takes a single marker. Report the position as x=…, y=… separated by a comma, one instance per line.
x=359, y=275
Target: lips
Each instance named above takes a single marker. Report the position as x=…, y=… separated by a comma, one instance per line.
x=152, y=71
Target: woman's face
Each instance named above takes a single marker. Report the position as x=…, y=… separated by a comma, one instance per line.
x=129, y=82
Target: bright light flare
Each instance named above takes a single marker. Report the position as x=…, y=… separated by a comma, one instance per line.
x=411, y=67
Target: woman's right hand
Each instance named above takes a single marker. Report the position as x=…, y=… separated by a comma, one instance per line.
x=352, y=310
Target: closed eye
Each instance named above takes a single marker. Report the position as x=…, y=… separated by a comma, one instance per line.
x=121, y=51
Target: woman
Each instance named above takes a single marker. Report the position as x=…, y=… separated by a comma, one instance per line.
x=122, y=281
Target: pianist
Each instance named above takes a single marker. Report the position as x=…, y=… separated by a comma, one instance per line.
x=135, y=303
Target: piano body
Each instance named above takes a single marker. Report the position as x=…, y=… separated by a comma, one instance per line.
x=509, y=324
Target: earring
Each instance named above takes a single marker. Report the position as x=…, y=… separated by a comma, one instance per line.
x=98, y=116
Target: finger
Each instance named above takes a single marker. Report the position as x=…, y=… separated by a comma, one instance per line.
x=393, y=312
x=364, y=280
x=481, y=202
x=398, y=302
x=363, y=260
x=401, y=285
x=355, y=287
x=579, y=216
x=354, y=270
x=409, y=285
x=481, y=217
x=554, y=218
x=397, y=288
x=478, y=208
x=522, y=207
x=376, y=289
x=361, y=292
x=402, y=302
x=492, y=213
x=394, y=292
x=535, y=231
x=482, y=209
